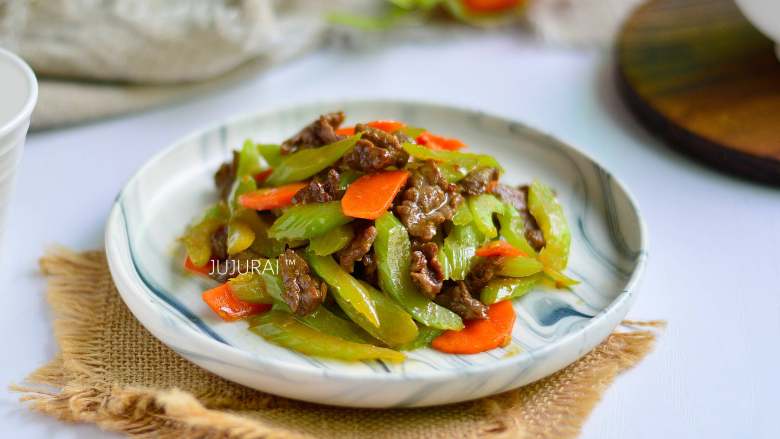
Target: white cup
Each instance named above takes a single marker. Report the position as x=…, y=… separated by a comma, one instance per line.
x=18, y=95
x=764, y=15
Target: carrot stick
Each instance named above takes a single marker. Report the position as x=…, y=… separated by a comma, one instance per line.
x=222, y=301
x=433, y=141
x=270, y=198
x=192, y=268
x=346, y=131
x=390, y=126
x=371, y=195
x=480, y=335
x=499, y=248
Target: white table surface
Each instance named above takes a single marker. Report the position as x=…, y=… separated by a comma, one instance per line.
x=714, y=265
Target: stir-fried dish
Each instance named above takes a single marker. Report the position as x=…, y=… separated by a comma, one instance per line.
x=358, y=243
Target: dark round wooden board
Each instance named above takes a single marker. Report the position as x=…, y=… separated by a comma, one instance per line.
x=698, y=74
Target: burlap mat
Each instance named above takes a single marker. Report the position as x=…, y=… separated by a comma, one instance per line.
x=113, y=373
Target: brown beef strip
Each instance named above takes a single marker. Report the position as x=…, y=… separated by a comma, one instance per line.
x=402, y=138
x=366, y=157
x=427, y=201
x=303, y=292
x=385, y=140
x=318, y=133
x=219, y=243
x=357, y=248
x=225, y=175
x=482, y=272
x=457, y=298
x=477, y=181
x=518, y=198
x=369, y=271
x=425, y=269
x=321, y=189
x=375, y=151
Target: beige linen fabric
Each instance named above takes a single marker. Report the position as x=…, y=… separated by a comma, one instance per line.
x=113, y=373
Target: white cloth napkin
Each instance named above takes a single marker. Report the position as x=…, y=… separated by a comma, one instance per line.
x=102, y=58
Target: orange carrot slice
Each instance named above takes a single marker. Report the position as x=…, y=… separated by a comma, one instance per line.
x=433, y=141
x=222, y=301
x=480, y=335
x=346, y=131
x=192, y=268
x=270, y=198
x=390, y=126
x=371, y=195
x=499, y=248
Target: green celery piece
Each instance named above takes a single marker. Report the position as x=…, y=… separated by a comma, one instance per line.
x=468, y=160
x=512, y=229
x=346, y=288
x=347, y=177
x=308, y=162
x=519, y=266
x=462, y=215
x=274, y=285
x=284, y=330
x=197, y=238
x=549, y=215
x=376, y=313
x=411, y=131
x=456, y=254
x=305, y=221
x=501, y=289
x=424, y=338
x=322, y=319
x=250, y=287
x=483, y=207
x=263, y=244
x=393, y=254
x=249, y=162
x=240, y=236
x=271, y=153
x=332, y=241
x=326, y=322
x=241, y=186
x=452, y=173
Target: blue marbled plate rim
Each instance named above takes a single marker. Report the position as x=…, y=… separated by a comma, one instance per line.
x=220, y=352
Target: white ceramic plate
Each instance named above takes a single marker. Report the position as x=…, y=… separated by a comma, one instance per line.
x=553, y=328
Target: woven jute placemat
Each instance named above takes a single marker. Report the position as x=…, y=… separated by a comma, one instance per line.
x=113, y=373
